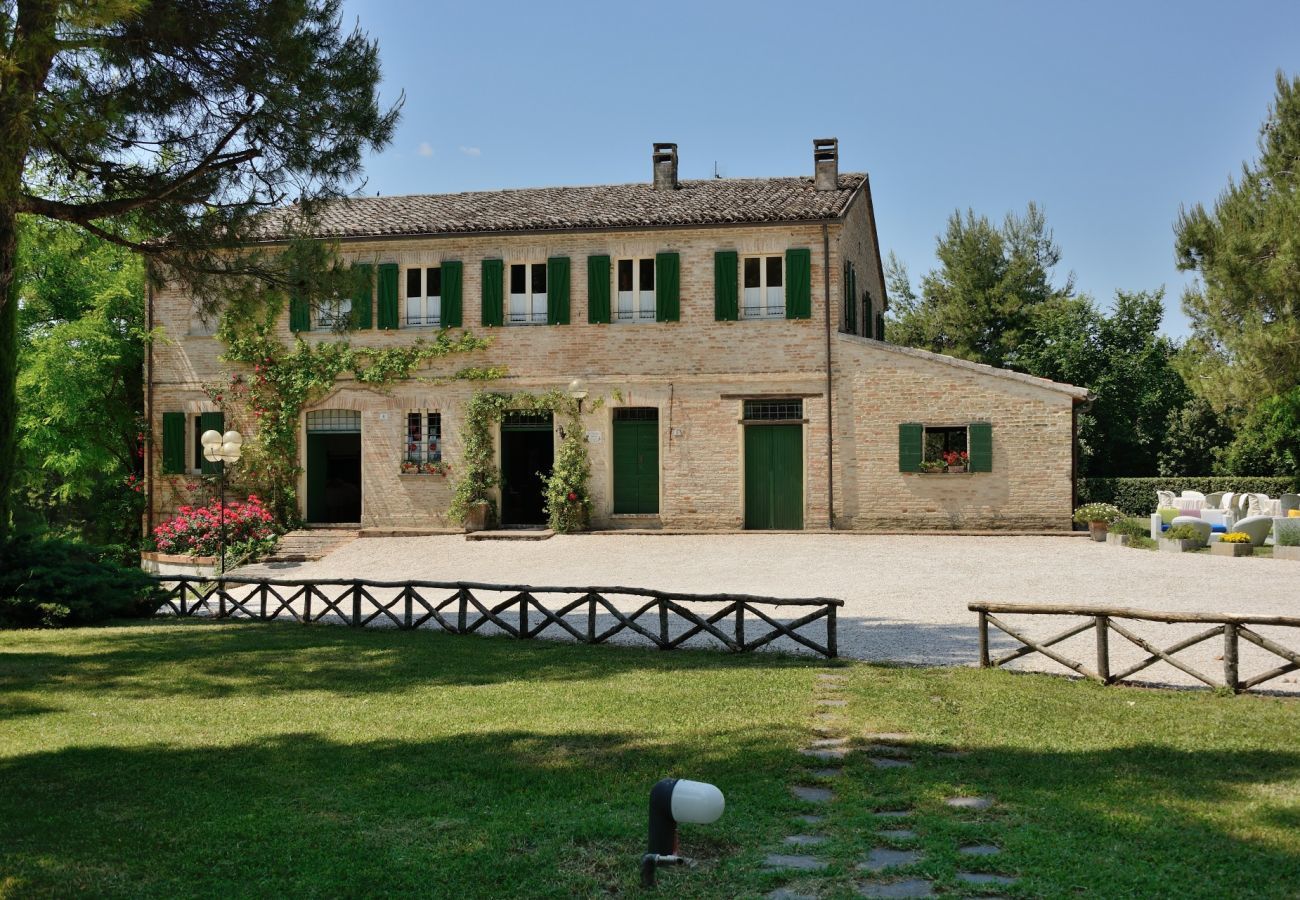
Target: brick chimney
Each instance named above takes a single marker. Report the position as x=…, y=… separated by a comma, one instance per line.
x=665, y=162
x=826, y=163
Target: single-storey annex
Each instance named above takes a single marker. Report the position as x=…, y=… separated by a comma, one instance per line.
x=733, y=330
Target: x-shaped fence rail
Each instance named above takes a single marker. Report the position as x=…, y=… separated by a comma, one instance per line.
x=740, y=622
x=1103, y=621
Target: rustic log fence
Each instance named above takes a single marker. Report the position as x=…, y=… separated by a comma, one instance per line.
x=742, y=624
x=1102, y=621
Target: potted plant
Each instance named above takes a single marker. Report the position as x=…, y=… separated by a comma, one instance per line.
x=476, y=515
x=1098, y=516
x=1122, y=532
x=1234, y=543
x=956, y=461
x=435, y=467
x=932, y=467
x=1287, y=543
x=1181, y=539
x=410, y=467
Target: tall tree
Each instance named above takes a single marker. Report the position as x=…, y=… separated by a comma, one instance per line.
x=1245, y=308
x=178, y=119
x=979, y=303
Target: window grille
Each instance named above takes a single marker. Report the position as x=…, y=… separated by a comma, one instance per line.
x=334, y=420
x=773, y=410
x=531, y=417
x=636, y=414
x=423, y=437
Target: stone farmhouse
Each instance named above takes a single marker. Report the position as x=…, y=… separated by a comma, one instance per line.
x=732, y=328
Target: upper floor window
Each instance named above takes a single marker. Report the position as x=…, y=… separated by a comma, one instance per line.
x=527, y=294
x=423, y=297
x=764, y=296
x=636, y=290
x=336, y=312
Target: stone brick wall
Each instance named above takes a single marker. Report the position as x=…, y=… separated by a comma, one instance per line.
x=695, y=372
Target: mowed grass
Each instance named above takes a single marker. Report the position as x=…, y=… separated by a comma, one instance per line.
x=244, y=759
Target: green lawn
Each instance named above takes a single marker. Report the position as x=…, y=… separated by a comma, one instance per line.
x=226, y=759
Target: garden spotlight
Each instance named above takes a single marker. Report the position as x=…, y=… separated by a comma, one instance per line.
x=674, y=800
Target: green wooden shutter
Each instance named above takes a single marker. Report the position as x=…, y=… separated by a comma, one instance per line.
x=557, y=290
x=212, y=421
x=388, y=316
x=726, y=305
x=850, y=299
x=299, y=312
x=798, y=284
x=979, y=442
x=880, y=326
x=598, y=290
x=492, y=312
x=173, y=443
x=911, y=446
x=363, y=289
x=453, y=307
x=668, y=301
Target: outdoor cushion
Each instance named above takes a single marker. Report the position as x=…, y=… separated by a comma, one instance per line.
x=1189, y=512
x=1164, y=498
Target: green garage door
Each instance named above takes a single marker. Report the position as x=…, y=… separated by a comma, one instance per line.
x=636, y=461
x=774, y=476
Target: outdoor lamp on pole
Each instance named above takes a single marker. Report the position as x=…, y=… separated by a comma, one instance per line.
x=221, y=449
x=578, y=391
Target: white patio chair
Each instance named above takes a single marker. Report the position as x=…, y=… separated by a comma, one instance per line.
x=1165, y=499
x=1214, y=500
x=1193, y=495
x=1229, y=501
x=1261, y=505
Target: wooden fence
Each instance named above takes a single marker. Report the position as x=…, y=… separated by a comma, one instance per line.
x=1105, y=621
x=741, y=624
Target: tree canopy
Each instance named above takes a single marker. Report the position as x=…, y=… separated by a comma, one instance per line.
x=166, y=126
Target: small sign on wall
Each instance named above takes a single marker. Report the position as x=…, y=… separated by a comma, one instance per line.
x=593, y=437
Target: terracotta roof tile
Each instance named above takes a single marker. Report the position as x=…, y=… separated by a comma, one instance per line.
x=709, y=202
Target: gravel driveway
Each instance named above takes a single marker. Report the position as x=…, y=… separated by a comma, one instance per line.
x=905, y=596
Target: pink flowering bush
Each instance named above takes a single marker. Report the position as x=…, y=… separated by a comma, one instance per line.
x=197, y=530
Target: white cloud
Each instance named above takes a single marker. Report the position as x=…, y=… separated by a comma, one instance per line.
x=470, y=151
x=426, y=149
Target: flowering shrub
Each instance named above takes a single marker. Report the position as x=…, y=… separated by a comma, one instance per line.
x=1098, y=512
x=197, y=530
x=956, y=457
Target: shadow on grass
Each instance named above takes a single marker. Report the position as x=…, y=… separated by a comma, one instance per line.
x=511, y=813
x=220, y=659
x=1135, y=821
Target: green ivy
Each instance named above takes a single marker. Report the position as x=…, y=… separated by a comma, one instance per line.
x=567, y=491
x=284, y=380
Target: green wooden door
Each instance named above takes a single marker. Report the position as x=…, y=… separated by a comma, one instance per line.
x=317, y=472
x=774, y=476
x=636, y=467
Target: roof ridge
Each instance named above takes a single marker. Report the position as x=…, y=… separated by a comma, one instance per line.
x=956, y=362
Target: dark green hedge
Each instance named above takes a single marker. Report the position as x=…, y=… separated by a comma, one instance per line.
x=1137, y=496
x=48, y=582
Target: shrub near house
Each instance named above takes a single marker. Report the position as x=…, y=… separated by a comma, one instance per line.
x=196, y=531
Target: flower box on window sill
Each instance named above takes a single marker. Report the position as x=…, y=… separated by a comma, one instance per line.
x=429, y=468
x=961, y=471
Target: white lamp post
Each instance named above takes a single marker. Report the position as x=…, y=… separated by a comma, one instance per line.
x=221, y=449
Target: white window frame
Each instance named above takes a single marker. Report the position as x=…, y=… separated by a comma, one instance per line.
x=770, y=308
x=334, y=313
x=640, y=297
x=533, y=304
x=430, y=305
x=427, y=449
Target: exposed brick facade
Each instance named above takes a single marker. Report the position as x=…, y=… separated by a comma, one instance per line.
x=695, y=372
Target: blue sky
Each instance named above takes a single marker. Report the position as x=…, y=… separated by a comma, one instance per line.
x=1109, y=115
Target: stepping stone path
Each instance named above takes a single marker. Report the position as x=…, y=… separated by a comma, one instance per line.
x=806, y=840
x=828, y=702
x=887, y=750
x=979, y=850
x=892, y=813
x=783, y=894
x=911, y=887
x=812, y=794
x=794, y=861
x=822, y=743
x=953, y=754
x=810, y=819
x=969, y=802
x=889, y=737
x=982, y=878
x=897, y=834
x=828, y=773
x=881, y=762
x=825, y=754
x=881, y=858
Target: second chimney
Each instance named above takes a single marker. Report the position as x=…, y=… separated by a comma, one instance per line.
x=826, y=163
x=665, y=162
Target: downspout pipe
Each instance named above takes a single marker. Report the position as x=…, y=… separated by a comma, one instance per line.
x=830, y=430
x=148, y=403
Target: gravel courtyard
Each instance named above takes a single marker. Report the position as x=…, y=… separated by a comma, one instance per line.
x=905, y=596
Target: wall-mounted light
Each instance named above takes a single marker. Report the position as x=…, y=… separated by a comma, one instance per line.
x=578, y=391
x=675, y=800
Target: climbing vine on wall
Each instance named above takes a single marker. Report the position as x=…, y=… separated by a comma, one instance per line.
x=285, y=379
x=567, y=492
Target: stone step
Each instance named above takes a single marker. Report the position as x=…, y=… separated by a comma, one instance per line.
x=311, y=544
